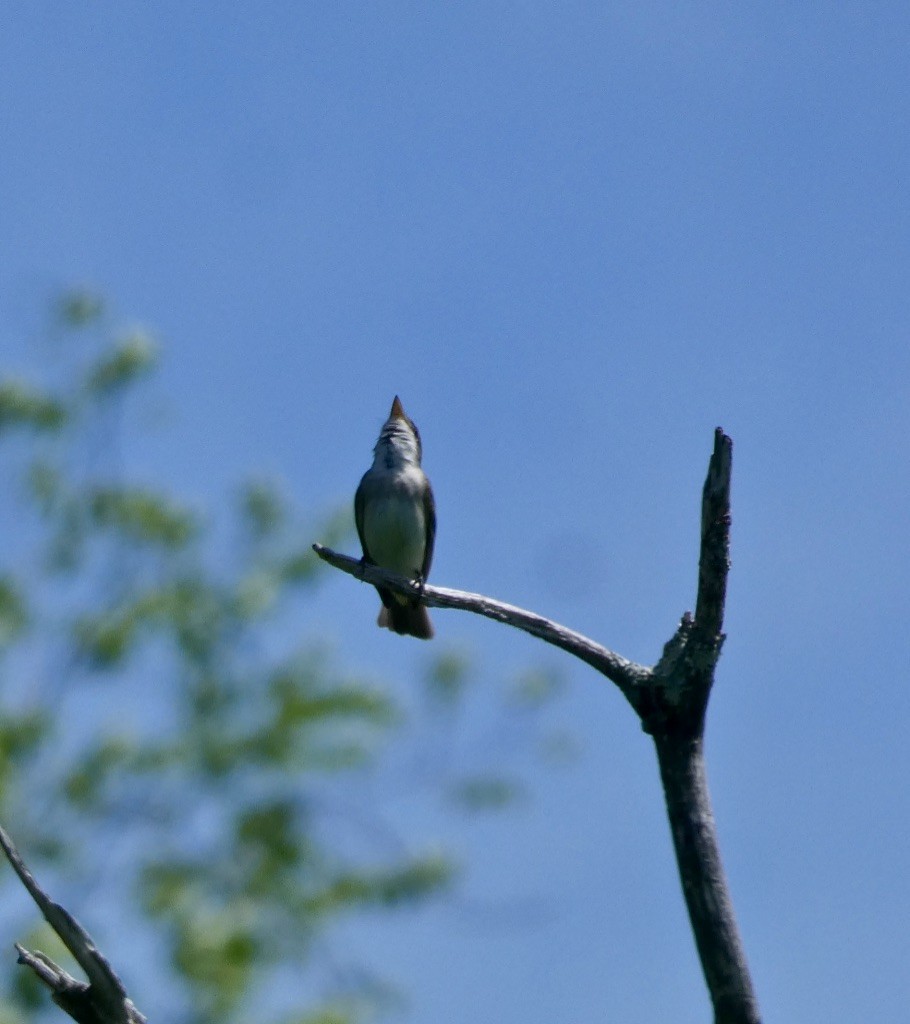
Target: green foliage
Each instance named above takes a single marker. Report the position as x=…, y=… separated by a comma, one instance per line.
x=328, y=1015
x=141, y=516
x=536, y=687
x=386, y=887
x=21, y=733
x=338, y=1011
x=85, y=785
x=80, y=308
x=13, y=613
x=263, y=509
x=45, y=485
x=237, y=766
x=130, y=358
x=448, y=677
x=215, y=949
x=486, y=793
x=22, y=405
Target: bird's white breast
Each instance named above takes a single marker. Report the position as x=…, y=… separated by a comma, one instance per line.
x=394, y=524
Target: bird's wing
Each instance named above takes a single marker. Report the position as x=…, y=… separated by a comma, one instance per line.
x=359, y=501
x=429, y=515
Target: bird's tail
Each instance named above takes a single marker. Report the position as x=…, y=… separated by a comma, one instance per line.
x=406, y=619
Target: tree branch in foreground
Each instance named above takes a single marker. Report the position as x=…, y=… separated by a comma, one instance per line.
x=627, y=675
x=671, y=700
x=103, y=1000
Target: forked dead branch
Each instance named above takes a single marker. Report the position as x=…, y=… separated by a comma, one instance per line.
x=101, y=1000
x=671, y=699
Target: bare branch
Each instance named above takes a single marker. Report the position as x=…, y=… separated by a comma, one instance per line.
x=684, y=675
x=671, y=700
x=704, y=884
x=714, y=561
x=628, y=675
x=103, y=1000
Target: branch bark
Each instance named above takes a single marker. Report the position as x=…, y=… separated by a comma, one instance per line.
x=627, y=675
x=671, y=700
x=720, y=949
x=103, y=1000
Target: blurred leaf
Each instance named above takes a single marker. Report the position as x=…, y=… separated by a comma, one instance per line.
x=130, y=358
x=21, y=405
x=20, y=736
x=13, y=612
x=447, y=676
x=337, y=527
x=80, y=308
x=216, y=951
x=105, y=639
x=170, y=887
x=269, y=843
x=142, y=516
x=258, y=592
x=328, y=755
x=422, y=877
x=487, y=793
x=12, y=1014
x=384, y=887
x=537, y=686
x=303, y=565
x=262, y=508
x=45, y=484
x=210, y=696
x=272, y=828
x=331, y=1014
x=86, y=781
x=300, y=566
x=559, y=748
x=199, y=617
x=299, y=702
x=67, y=543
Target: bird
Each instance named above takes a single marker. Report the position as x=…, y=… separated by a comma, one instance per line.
x=395, y=514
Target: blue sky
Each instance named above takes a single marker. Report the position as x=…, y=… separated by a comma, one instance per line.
x=574, y=238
